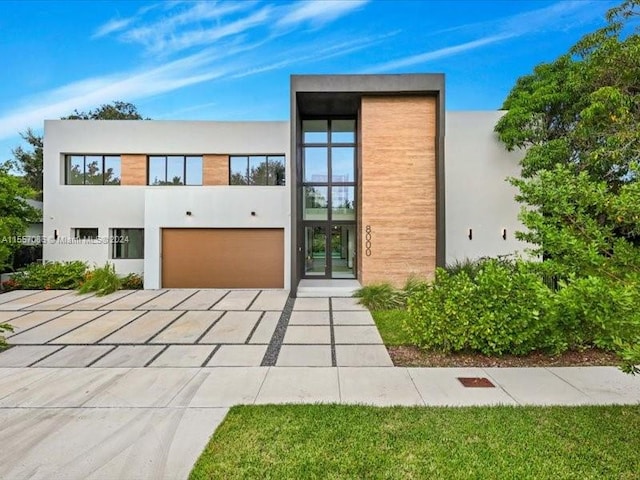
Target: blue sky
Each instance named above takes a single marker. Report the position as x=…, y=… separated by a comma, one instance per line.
x=232, y=60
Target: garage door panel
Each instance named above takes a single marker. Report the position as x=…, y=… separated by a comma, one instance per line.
x=222, y=258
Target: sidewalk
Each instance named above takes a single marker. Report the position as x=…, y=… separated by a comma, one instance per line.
x=112, y=423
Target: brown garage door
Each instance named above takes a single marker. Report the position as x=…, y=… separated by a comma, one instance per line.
x=222, y=258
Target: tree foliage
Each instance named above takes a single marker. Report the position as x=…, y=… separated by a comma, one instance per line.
x=15, y=214
x=114, y=111
x=28, y=161
x=578, y=119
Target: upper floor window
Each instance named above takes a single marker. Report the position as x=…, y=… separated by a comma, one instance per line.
x=175, y=170
x=92, y=170
x=257, y=170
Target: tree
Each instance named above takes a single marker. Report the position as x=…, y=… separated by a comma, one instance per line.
x=116, y=111
x=577, y=118
x=28, y=162
x=15, y=215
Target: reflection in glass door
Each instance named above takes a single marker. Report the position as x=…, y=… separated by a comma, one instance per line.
x=343, y=251
x=315, y=251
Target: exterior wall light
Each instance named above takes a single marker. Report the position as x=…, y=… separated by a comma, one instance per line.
x=470, y=234
x=253, y=214
x=504, y=233
x=189, y=213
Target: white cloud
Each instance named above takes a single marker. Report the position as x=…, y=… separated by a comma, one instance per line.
x=319, y=12
x=112, y=26
x=435, y=54
x=558, y=16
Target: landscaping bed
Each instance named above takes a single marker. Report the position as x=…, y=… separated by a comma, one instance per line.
x=343, y=441
x=411, y=356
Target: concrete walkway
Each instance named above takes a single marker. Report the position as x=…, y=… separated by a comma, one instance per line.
x=71, y=406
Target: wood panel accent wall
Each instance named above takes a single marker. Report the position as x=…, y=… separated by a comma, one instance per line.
x=133, y=169
x=216, y=169
x=397, y=184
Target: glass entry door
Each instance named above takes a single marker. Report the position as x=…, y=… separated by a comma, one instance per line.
x=329, y=251
x=327, y=198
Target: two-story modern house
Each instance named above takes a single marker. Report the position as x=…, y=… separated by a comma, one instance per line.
x=370, y=180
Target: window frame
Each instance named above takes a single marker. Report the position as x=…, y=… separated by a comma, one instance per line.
x=103, y=156
x=248, y=158
x=114, y=233
x=184, y=170
x=76, y=233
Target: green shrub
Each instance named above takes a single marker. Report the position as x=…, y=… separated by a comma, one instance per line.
x=4, y=327
x=50, y=276
x=380, y=296
x=469, y=267
x=500, y=310
x=132, y=281
x=102, y=280
x=597, y=310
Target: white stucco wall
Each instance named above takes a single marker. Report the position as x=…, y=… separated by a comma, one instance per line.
x=477, y=195
x=106, y=207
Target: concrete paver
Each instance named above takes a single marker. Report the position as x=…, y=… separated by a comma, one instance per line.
x=203, y=300
x=30, y=320
x=168, y=299
x=362, y=334
x=129, y=356
x=236, y=300
x=144, y=327
x=309, y=318
x=233, y=327
x=270, y=300
x=362, y=356
x=132, y=300
x=307, y=335
x=26, y=302
x=50, y=330
x=14, y=379
x=348, y=304
x=300, y=385
x=183, y=356
x=63, y=301
x=23, y=356
x=312, y=304
x=188, y=328
x=95, y=302
x=15, y=295
x=99, y=328
x=75, y=356
x=353, y=318
x=379, y=386
x=267, y=325
x=238, y=356
x=304, y=356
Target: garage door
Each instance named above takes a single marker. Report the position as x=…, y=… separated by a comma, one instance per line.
x=222, y=258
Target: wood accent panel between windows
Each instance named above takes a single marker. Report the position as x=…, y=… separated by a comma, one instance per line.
x=134, y=169
x=216, y=169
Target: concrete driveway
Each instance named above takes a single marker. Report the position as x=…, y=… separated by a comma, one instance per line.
x=187, y=328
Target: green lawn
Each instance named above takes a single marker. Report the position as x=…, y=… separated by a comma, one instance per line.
x=339, y=441
x=389, y=323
